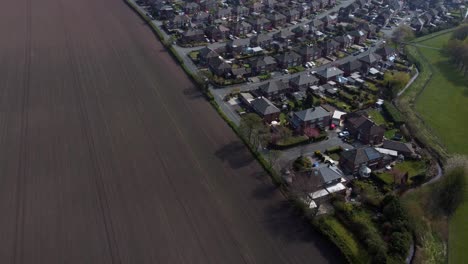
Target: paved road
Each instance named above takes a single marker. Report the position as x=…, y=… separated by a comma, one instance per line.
x=291, y=154
x=108, y=153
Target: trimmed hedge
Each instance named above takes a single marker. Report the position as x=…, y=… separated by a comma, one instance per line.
x=291, y=142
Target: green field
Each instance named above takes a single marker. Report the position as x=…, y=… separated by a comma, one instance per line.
x=444, y=107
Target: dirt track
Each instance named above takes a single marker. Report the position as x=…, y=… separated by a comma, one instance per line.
x=109, y=155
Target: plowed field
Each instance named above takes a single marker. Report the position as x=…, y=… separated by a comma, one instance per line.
x=108, y=154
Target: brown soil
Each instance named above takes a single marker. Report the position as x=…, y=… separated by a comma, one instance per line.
x=108, y=154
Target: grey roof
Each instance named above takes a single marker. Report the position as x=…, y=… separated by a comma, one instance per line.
x=272, y=87
x=361, y=155
x=208, y=53
x=311, y=114
x=316, y=23
x=284, y=34
x=330, y=72
x=306, y=50
x=264, y=107
x=276, y=16
x=385, y=51
x=288, y=56
x=370, y=58
x=328, y=173
x=351, y=66
x=398, y=146
x=240, y=42
x=303, y=79
x=357, y=33
x=260, y=38
x=269, y=60
x=343, y=39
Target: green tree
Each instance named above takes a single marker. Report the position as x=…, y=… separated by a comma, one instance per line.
x=249, y=125
x=402, y=34
x=449, y=192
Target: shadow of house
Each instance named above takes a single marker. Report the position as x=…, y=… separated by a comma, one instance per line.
x=363, y=129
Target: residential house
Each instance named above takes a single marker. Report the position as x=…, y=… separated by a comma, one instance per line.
x=219, y=67
x=310, y=53
x=284, y=36
x=193, y=35
x=329, y=74
x=386, y=52
x=240, y=72
x=191, y=8
x=351, y=66
x=265, y=108
x=261, y=40
x=217, y=32
x=224, y=13
x=369, y=28
x=384, y=17
x=207, y=5
x=363, y=129
x=241, y=11
x=405, y=149
x=329, y=20
x=288, y=59
x=240, y=28
x=304, y=11
x=302, y=81
x=352, y=161
x=238, y=46
x=316, y=25
x=329, y=47
x=328, y=174
x=427, y=18
x=362, y=3
x=179, y=21
x=417, y=23
x=369, y=60
x=260, y=23
x=291, y=14
x=261, y=65
x=201, y=17
x=299, y=31
x=359, y=36
x=314, y=6
x=256, y=7
x=273, y=89
x=277, y=19
x=344, y=41
x=206, y=54
x=315, y=117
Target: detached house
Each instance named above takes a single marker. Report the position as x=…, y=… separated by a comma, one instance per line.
x=316, y=25
x=352, y=161
x=263, y=107
x=206, y=54
x=316, y=117
x=405, y=149
x=288, y=59
x=369, y=60
x=193, y=35
x=219, y=67
x=191, y=8
x=241, y=11
x=364, y=129
x=351, y=66
x=284, y=36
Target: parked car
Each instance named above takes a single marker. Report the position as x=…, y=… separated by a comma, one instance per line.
x=343, y=134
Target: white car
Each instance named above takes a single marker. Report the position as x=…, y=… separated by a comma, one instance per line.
x=343, y=134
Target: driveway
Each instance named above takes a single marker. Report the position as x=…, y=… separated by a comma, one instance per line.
x=291, y=154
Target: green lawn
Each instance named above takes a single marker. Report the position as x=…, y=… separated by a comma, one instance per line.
x=377, y=117
x=412, y=167
x=443, y=106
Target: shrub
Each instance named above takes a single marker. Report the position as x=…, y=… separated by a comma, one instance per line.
x=332, y=150
x=302, y=163
x=392, y=113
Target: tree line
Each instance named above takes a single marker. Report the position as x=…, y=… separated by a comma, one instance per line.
x=457, y=48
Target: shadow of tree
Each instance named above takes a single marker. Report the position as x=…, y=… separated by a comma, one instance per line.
x=192, y=93
x=452, y=74
x=236, y=154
